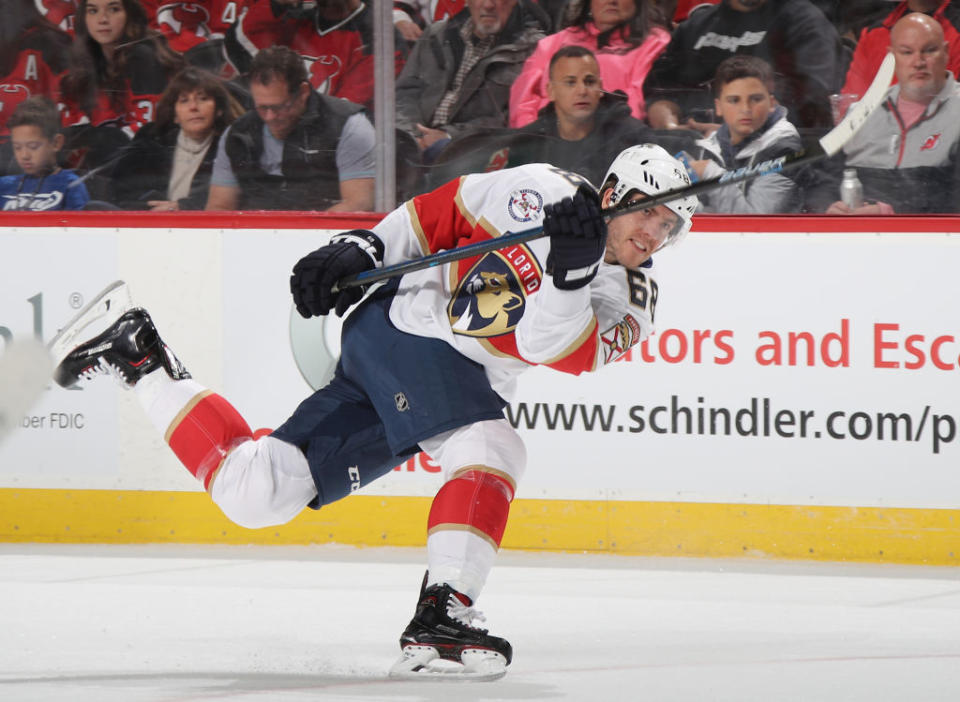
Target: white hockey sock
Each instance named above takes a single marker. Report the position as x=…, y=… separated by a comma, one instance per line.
x=162, y=397
x=461, y=559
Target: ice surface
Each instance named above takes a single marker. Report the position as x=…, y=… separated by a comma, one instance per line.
x=184, y=623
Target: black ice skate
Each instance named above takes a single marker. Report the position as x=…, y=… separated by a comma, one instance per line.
x=442, y=642
x=128, y=347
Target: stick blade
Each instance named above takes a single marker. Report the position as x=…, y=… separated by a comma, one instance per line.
x=836, y=138
x=26, y=370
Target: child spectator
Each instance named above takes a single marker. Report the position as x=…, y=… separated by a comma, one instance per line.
x=168, y=164
x=626, y=36
x=754, y=129
x=35, y=134
x=119, y=69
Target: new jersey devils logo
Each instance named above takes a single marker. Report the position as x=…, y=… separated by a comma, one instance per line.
x=930, y=142
x=323, y=69
x=18, y=91
x=185, y=18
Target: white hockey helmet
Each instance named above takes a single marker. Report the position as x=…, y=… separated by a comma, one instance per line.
x=651, y=170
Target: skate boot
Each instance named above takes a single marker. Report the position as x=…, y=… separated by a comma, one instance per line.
x=441, y=641
x=128, y=348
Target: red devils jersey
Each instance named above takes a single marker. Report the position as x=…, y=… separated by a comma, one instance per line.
x=186, y=24
x=501, y=309
x=37, y=69
x=339, y=57
x=59, y=12
x=145, y=81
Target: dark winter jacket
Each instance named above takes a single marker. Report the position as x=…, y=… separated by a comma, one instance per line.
x=792, y=35
x=614, y=131
x=143, y=173
x=310, y=179
x=484, y=99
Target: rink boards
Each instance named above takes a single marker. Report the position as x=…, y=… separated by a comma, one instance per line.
x=798, y=398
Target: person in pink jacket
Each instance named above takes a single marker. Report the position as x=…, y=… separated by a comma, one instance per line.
x=625, y=35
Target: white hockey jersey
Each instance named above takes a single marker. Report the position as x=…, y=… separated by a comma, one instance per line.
x=500, y=309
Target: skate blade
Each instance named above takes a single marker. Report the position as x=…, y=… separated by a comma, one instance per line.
x=424, y=663
x=25, y=372
x=106, y=307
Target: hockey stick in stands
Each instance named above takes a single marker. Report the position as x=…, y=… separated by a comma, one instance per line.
x=828, y=145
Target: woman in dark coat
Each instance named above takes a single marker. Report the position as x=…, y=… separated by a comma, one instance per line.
x=168, y=164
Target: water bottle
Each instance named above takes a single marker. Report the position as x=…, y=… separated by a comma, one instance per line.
x=851, y=191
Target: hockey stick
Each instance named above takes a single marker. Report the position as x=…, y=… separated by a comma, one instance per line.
x=828, y=145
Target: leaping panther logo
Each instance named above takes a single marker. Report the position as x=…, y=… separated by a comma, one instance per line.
x=489, y=301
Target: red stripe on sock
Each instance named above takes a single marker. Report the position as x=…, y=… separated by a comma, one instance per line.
x=206, y=434
x=475, y=499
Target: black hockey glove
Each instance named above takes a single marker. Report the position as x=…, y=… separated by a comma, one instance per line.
x=316, y=273
x=578, y=238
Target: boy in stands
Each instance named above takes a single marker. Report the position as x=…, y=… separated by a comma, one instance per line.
x=36, y=138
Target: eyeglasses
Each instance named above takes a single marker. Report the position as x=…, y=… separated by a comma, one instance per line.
x=262, y=110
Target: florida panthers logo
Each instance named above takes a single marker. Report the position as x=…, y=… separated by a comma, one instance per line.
x=491, y=297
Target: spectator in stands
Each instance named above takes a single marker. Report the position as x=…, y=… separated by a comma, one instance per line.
x=625, y=35
x=188, y=23
x=34, y=54
x=335, y=38
x=119, y=67
x=297, y=149
x=36, y=138
x=906, y=153
x=754, y=130
x=168, y=164
x=457, y=78
x=792, y=35
x=582, y=128
x=874, y=41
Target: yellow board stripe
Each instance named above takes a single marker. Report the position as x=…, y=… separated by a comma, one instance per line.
x=869, y=534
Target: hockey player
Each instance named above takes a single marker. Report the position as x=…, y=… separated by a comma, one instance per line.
x=428, y=361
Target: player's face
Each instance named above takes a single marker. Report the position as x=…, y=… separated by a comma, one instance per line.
x=278, y=109
x=921, y=60
x=609, y=13
x=633, y=238
x=744, y=105
x=490, y=16
x=195, y=112
x=575, y=87
x=105, y=21
x=35, y=153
